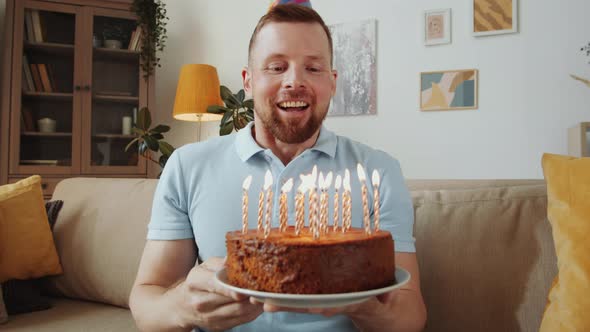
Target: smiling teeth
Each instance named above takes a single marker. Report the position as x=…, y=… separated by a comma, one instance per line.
x=293, y=104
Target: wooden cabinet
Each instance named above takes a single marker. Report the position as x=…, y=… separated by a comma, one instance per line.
x=72, y=85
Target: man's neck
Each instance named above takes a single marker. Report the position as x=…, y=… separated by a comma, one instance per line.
x=284, y=151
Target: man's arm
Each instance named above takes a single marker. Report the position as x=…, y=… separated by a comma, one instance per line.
x=400, y=310
x=171, y=294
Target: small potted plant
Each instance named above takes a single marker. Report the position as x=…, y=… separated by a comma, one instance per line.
x=113, y=36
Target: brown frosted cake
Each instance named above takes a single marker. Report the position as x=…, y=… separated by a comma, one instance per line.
x=285, y=263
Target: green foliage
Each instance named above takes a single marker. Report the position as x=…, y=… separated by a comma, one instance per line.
x=237, y=112
x=149, y=140
x=113, y=31
x=151, y=16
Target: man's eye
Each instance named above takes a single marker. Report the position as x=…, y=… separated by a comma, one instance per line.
x=276, y=69
x=313, y=69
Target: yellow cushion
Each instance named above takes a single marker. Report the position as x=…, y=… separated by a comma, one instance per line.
x=568, y=193
x=27, y=250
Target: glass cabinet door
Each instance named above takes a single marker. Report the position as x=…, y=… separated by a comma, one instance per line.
x=118, y=91
x=46, y=120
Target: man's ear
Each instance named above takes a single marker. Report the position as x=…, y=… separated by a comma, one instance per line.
x=246, y=78
x=334, y=80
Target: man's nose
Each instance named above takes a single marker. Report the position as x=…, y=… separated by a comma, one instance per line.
x=294, y=79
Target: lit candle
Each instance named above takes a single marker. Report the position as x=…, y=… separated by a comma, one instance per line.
x=325, y=183
x=376, y=200
x=362, y=179
x=313, y=203
x=269, y=194
x=245, y=187
x=300, y=205
x=336, y=201
x=260, y=210
x=346, y=204
x=283, y=209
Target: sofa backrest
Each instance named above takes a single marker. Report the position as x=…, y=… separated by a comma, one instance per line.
x=486, y=257
x=100, y=234
x=486, y=253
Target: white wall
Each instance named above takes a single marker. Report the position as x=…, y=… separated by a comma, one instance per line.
x=526, y=98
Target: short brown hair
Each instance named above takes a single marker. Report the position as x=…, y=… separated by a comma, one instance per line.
x=290, y=13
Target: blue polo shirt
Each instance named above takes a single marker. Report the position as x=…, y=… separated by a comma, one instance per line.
x=199, y=196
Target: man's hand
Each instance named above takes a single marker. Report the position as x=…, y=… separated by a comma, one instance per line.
x=358, y=308
x=210, y=306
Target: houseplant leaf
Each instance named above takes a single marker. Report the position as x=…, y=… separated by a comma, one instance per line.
x=160, y=129
x=248, y=103
x=144, y=119
x=166, y=148
x=216, y=109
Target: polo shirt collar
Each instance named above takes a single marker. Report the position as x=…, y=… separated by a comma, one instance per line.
x=247, y=147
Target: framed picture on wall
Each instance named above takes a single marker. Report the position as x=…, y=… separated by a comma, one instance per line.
x=494, y=17
x=437, y=27
x=448, y=90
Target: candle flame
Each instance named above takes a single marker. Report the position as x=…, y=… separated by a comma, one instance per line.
x=287, y=186
x=267, y=179
x=346, y=182
x=375, y=178
x=321, y=181
x=303, y=186
x=361, y=172
x=338, y=182
x=312, y=178
x=247, y=182
x=328, y=180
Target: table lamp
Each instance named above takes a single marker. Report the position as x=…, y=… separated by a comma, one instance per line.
x=198, y=88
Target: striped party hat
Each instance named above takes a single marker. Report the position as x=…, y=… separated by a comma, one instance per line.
x=305, y=3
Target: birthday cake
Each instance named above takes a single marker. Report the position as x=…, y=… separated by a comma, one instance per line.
x=283, y=262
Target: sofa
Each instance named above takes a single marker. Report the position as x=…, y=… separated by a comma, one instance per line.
x=485, y=250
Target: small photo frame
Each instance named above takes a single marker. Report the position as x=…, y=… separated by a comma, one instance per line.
x=437, y=26
x=494, y=17
x=448, y=90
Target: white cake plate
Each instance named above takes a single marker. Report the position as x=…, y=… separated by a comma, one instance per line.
x=314, y=300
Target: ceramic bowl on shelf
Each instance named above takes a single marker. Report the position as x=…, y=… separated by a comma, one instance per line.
x=112, y=43
x=46, y=125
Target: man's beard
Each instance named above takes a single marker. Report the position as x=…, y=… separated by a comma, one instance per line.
x=292, y=131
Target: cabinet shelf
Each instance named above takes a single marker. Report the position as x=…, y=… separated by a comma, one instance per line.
x=50, y=48
x=110, y=53
x=40, y=134
x=114, y=136
x=48, y=95
x=118, y=99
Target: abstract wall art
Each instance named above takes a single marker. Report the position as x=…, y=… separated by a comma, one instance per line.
x=448, y=90
x=355, y=61
x=493, y=17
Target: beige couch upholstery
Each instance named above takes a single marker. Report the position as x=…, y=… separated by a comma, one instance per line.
x=485, y=252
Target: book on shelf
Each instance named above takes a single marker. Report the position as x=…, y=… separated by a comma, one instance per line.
x=135, y=38
x=30, y=31
x=27, y=122
x=44, y=77
x=36, y=77
x=37, y=29
x=52, y=81
x=28, y=75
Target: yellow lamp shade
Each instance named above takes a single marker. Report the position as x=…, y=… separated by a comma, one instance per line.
x=198, y=88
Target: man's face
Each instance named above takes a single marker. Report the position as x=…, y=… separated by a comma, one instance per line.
x=291, y=79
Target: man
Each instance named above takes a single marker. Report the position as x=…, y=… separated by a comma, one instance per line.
x=197, y=201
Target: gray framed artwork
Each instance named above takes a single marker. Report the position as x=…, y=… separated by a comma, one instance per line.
x=355, y=61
